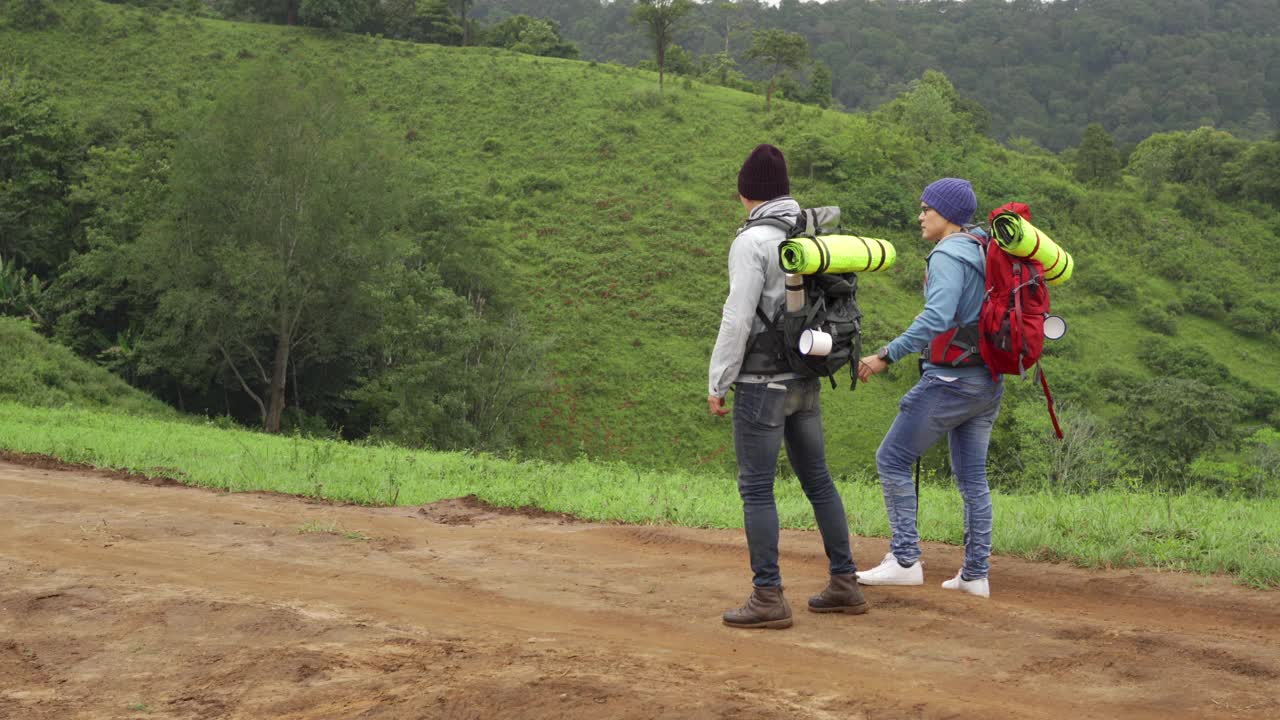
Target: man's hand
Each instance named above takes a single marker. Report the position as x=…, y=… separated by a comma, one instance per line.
x=870, y=365
x=716, y=406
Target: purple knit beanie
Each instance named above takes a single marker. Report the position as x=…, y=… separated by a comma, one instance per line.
x=953, y=198
x=764, y=174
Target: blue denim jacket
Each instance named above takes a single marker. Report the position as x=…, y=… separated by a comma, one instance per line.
x=955, y=283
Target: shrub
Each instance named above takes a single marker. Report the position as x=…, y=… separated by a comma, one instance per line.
x=1157, y=319
x=1200, y=299
x=1170, y=421
x=1174, y=359
x=32, y=14
x=1104, y=282
x=1249, y=321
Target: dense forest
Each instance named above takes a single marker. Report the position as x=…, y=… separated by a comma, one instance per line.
x=482, y=248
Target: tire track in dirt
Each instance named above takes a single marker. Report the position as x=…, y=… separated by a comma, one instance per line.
x=119, y=598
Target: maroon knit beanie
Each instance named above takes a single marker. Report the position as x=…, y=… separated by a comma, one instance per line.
x=764, y=174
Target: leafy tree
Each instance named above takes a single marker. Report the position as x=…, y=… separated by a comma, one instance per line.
x=428, y=21
x=342, y=15
x=1170, y=421
x=779, y=50
x=282, y=206
x=38, y=154
x=929, y=111
x=445, y=376
x=820, y=86
x=399, y=18
x=19, y=293
x=1254, y=174
x=1203, y=157
x=660, y=18
x=729, y=17
x=722, y=70
x=1152, y=161
x=1097, y=161
x=463, y=6
x=434, y=23
x=534, y=36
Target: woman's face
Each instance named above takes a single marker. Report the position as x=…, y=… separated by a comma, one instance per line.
x=933, y=227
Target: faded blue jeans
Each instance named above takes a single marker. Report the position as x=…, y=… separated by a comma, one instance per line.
x=765, y=416
x=964, y=410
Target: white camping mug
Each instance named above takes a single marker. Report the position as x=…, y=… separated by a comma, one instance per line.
x=815, y=342
x=1054, y=327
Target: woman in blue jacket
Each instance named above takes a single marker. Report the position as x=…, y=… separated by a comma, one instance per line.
x=960, y=403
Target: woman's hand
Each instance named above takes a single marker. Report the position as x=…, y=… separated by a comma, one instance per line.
x=870, y=365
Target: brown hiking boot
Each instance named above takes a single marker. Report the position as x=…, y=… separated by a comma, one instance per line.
x=765, y=608
x=841, y=595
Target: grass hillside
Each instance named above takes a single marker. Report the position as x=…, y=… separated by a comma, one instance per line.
x=44, y=374
x=615, y=206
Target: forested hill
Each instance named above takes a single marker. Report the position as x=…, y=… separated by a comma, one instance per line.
x=1044, y=70
x=475, y=248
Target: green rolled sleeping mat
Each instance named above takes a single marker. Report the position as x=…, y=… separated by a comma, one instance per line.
x=1020, y=238
x=835, y=254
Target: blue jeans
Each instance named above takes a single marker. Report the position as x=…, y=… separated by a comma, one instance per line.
x=765, y=415
x=964, y=410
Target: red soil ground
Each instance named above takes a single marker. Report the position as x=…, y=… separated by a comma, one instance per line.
x=120, y=599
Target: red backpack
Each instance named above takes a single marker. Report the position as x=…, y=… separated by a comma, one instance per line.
x=1009, y=335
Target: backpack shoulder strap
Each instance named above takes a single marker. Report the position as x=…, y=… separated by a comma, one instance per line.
x=977, y=240
x=770, y=221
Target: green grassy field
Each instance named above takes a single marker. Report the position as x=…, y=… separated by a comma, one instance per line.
x=1192, y=532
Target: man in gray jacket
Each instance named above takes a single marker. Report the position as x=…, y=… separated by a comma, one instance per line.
x=772, y=406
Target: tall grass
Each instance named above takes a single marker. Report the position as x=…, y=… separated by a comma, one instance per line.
x=1191, y=532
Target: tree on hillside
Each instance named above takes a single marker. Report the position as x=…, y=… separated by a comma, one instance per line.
x=463, y=6
x=342, y=15
x=1171, y=421
x=1097, y=161
x=1256, y=174
x=721, y=69
x=428, y=21
x=820, y=86
x=38, y=154
x=281, y=214
x=534, y=36
x=660, y=18
x=729, y=18
x=779, y=50
x=931, y=110
x=434, y=23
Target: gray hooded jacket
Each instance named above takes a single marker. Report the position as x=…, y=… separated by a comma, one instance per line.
x=755, y=280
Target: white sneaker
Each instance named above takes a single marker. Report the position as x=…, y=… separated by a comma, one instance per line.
x=979, y=587
x=889, y=572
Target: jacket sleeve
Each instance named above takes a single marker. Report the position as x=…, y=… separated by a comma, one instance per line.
x=746, y=283
x=942, y=297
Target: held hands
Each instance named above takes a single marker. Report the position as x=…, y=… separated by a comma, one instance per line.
x=870, y=365
x=715, y=405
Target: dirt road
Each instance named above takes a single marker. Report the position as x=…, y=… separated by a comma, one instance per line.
x=121, y=600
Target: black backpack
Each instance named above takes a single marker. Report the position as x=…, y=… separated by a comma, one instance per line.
x=830, y=305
